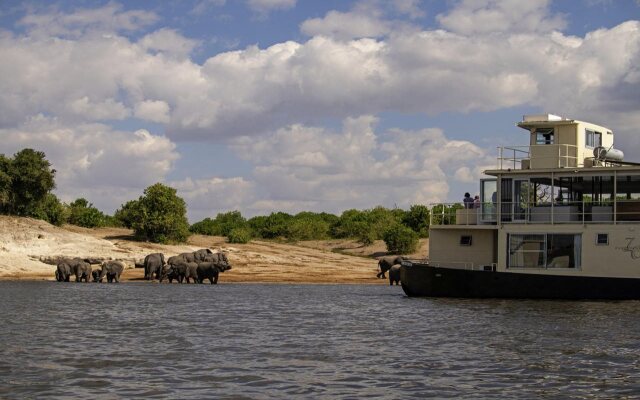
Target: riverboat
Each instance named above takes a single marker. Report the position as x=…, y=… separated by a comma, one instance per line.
x=557, y=219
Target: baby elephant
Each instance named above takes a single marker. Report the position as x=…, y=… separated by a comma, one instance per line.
x=112, y=270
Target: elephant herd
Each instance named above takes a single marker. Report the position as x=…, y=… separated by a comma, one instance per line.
x=196, y=266
x=82, y=270
x=391, y=264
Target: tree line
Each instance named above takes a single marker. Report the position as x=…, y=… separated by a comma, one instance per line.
x=159, y=215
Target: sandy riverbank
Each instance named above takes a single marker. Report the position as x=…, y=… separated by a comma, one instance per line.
x=25, y=243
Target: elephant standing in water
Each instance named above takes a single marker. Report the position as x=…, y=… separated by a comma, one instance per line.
x=112, y=270
x=394, y=274
x=73, y=266
x=212, y=266
x=385, y=264
x=153, y=264
x=63, y=272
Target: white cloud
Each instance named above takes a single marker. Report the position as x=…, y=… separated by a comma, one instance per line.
x=109, y=18
x=263, y=7
x=106, y=166
x=309, y=168
x=169, y=42
x=471, y=17
x=208, y=197
x=154, y=111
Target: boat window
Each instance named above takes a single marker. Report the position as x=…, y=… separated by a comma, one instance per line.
x=602, y=239
x=628, y=197
x=592, y=138
x=465, y=240
x=544, y=250
x=544, y=136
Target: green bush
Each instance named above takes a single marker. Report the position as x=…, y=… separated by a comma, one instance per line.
x=307, y=227
x=83, y=213
x=52, y=211
x=204, y=227
x=401, y=240
x=275, y=225
x=160, y=215
x=239, y=235
x=129, y=213
x=417, y=218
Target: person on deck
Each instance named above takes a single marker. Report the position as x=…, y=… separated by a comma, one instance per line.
x=468, y=201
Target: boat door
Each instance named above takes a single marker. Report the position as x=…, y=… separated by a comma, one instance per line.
x=522, y=195
x=489, y=200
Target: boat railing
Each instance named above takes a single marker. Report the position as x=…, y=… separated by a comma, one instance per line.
x=584, y=211
x=462, y=265
x=538, y=156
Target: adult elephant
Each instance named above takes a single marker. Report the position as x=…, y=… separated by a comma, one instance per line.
x=200, y=255
x=63, y=271
x=394, y=274
x=182, y=257
x=153, y=264
x=385, y=264
x=169, y=272
x=81, y=269
x=211, y=268
x=112, y=270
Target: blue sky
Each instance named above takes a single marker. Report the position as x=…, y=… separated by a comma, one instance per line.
x=292, y=105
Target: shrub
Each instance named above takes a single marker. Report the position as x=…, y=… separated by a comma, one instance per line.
x=52, y=211
x=239, y=235
x=417, y=218
x=83, y=213
x=204, y=227
x=128, y=214
x=307, y=227
x=275, y=225
x=400, y=240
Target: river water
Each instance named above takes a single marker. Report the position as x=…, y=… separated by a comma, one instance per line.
x=261, y=341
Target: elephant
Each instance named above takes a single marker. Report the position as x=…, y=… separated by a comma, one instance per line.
x=201, y=254
x=169, y=272
x=211, y=269
x=385, y=264
x=394, y=274
x=182, y=257
x=191, y=272
x=63, y=272
x=81, y=269
x=96, y=275
x=153, y=264
x=112, y=270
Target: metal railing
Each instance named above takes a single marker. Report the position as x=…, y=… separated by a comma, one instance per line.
x=567, y=212
x=538, y=156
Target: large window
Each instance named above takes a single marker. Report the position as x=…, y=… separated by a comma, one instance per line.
x=592, y=138
x=544, y=136
x=544, y=250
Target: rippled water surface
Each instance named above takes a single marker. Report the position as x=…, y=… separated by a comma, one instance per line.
x=136, y=340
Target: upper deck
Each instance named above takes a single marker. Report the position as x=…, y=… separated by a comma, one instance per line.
x=568, y=174
x=556, y=142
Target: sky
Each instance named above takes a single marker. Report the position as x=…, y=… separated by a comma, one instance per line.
x=303, y=105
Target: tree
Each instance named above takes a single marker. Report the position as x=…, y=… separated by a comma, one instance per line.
x=400, y=240
x=129, y=213
x=275, y=225
x=417, y=218
x=160, y=215
x=83, y=213
x=52, y=210
x=5, y=183
x=29, y=178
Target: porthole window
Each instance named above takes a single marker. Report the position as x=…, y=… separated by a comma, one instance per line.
x=602, y=239
x=465, y=240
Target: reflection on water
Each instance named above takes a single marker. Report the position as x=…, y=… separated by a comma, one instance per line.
x=66, y=340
